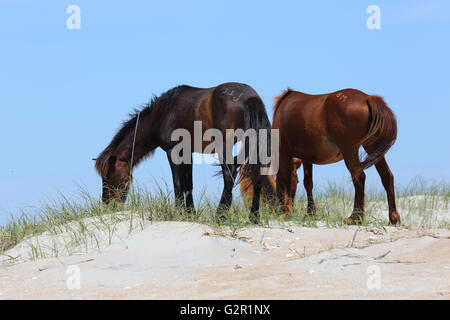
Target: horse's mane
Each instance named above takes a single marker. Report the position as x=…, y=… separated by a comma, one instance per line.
x=152, y=108
x=280, y=98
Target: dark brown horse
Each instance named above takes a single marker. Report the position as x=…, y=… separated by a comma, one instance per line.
x=227, y=106
x=326, y=128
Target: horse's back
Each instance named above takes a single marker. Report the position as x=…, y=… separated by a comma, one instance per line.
x=298, y=111
x=306, y=110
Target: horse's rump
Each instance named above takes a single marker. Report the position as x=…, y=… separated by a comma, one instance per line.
x=382, y=131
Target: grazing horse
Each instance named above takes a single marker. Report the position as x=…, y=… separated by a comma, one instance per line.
x=326, y=128
x=227, y=106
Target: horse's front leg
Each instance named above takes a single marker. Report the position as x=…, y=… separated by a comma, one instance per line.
x=178, y=175
x=284, y=179
x=308, y=184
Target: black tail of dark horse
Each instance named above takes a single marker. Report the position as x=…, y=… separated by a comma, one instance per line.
x=256, y=118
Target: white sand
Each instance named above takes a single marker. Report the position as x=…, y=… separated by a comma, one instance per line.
x=178, y=260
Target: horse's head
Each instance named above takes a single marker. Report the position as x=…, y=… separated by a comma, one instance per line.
x=116, y=178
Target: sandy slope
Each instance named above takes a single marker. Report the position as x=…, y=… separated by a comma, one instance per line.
x=178, y=260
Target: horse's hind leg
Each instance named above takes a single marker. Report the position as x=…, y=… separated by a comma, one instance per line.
x=229, y=175
x=308, y=184
x=387, y=178
x=187, y=186
x=254, y=216
x=359, y=179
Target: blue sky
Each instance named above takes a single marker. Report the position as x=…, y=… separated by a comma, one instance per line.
x=64, y=93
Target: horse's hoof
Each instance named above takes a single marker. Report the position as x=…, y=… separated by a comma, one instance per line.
x=311, y=215
x=351, y=221
x=396, y=224
x=284, y=217
x=221, y=219
x=254, y=219
x=311, y=211
x=394, y=219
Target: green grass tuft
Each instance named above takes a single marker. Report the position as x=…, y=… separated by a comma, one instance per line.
x=421, y=204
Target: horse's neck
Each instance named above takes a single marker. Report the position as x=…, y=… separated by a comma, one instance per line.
x=142, y=149
x=137, y=147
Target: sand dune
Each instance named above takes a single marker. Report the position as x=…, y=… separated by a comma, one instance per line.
x=180, y=260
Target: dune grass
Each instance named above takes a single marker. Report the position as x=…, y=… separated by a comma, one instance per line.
x=420, y=204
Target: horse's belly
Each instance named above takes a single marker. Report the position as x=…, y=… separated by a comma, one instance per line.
x=210, y=147
x=329, y=153
x=331, y=159
x=324, y=152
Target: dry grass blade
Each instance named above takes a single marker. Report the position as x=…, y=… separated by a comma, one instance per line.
x=382, y=256
x=353, y=240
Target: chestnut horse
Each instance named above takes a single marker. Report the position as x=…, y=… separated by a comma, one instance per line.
x=227, y=106
x=326, y=128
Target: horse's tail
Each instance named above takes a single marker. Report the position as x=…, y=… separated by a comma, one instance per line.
x=382, y=131
x=255, y=117
x=267, y=190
